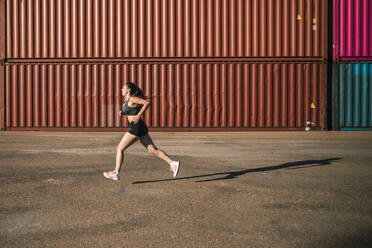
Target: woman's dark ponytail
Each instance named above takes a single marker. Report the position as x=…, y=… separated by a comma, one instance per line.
x=134, y=90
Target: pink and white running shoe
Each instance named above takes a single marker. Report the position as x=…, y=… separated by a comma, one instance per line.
x=175, y=167
x=112, y=175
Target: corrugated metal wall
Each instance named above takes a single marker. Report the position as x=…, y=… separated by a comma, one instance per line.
x=188, y=95
x=166, y=28
x=352, y=28
x=352, y=64
x=353, y=100
x=226, y=64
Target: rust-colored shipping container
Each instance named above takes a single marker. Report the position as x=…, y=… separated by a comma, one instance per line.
x=166, y=28
x=288, y=96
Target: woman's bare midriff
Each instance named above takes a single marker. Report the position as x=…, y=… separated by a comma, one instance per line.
x=130, y=118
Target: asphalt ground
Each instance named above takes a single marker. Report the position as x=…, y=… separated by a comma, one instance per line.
x=234, y=189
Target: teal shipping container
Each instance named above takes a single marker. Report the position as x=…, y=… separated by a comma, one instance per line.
x=352, y=95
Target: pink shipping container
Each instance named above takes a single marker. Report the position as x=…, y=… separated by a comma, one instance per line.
x=165, y=28
x=184, y=96
x=352, y=30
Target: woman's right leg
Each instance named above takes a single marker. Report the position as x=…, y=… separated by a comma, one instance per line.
x=127, y=140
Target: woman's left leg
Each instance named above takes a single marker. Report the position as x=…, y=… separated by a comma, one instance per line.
x=149, y=145
x=174, y=166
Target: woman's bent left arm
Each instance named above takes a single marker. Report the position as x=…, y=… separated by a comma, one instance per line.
x=145, y=104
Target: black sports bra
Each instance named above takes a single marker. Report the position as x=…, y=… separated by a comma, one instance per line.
x=130, y=110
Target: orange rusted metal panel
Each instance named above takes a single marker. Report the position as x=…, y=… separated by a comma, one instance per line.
x=166, y=29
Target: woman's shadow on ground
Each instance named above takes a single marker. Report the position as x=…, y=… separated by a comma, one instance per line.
x=233, y=174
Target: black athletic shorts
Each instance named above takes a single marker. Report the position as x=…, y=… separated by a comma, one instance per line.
x=139, y=129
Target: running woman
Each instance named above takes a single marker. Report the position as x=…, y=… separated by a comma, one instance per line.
x=135, y=105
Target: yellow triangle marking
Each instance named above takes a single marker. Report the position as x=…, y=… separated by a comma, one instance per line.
x=312, y=105
x=299, y=17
